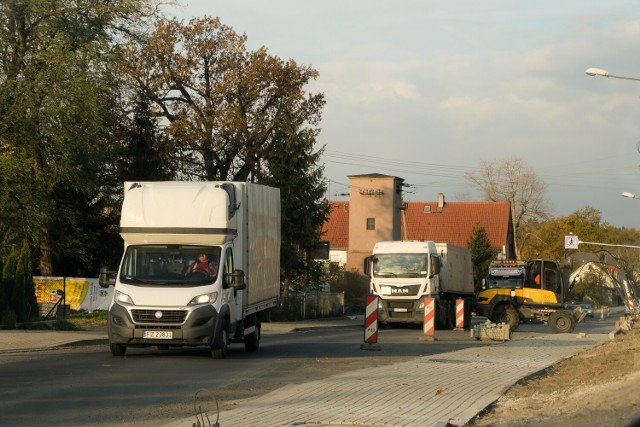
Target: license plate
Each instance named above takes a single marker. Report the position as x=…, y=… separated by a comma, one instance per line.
x=158, y=335
x=400, y=310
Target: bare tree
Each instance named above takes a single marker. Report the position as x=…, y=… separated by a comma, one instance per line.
x=514, y=181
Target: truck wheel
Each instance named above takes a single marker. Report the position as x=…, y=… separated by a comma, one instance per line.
x=561, y=322
x=117, y=349
x=466, y=323
x=252, y=340
x=443, y=315
x=506, y=314
x=219, y=350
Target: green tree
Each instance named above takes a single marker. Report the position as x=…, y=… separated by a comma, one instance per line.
x=482, y=253
x=7, y=315
x=589, y=287
x=143, y=156
x=24, y=300
x=58, y=107
x=6, y=288
x=354, y=285
x=546, y=239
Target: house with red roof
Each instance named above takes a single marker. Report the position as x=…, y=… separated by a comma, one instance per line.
x=375, y=212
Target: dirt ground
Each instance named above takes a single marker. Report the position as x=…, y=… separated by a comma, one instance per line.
x=598, y=387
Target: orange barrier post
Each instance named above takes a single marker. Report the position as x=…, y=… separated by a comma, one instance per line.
x=460, y=314
x=371, y=324
x=429, y=319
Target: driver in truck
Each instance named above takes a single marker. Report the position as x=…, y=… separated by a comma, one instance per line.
x=205, y=264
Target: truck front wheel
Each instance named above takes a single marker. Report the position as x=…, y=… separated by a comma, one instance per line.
x=219, y=350
x=117, y=349
x=506, y=313
x=252, y=340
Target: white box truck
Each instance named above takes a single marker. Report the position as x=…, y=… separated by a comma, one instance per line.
x=201, y=265
x=403, y=273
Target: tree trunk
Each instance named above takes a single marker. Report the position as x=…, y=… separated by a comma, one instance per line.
x=45, y=264
x=285, y=292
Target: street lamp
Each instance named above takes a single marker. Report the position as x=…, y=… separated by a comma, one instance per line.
x=629, y=195
x=604, y=73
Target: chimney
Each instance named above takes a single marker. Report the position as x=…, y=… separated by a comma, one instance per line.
x=440, y=201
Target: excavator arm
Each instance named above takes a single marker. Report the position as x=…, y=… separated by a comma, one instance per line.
x=612, y=267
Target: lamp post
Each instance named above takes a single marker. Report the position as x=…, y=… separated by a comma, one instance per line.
x=629, y=195
x=604, y=73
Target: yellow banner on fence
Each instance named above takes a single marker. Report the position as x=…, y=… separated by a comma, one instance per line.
x=81, y=293
x=75, y=290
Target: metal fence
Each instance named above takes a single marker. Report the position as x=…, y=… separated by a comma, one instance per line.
x=310, y=306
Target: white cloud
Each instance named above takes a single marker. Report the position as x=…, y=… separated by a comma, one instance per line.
x=450, y=83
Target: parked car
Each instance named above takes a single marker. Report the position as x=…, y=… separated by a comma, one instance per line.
x=587, y=309
x=572, y=307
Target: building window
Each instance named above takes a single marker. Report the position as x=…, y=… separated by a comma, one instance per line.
x=371, y=223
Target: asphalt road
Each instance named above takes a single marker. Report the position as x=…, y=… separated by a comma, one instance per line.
x=87, y=386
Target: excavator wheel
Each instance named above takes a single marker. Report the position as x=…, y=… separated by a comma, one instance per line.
x=508, y=314
x=562, y=322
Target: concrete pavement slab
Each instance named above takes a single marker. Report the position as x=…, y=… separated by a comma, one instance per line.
x=443, y=389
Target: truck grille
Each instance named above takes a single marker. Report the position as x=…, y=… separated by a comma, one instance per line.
x=400, y=304
x=402, y=291
x=168, y=316
x=403, y=305
x=407, y=315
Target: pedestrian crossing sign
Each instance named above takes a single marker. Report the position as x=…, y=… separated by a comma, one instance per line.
x=571, y=242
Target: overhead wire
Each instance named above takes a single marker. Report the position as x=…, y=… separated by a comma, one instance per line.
x=581, y=173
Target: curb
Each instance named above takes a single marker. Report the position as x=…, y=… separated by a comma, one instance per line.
x=70, y=344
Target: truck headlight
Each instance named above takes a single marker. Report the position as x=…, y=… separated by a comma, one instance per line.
x=122, y=298
x=204, y=299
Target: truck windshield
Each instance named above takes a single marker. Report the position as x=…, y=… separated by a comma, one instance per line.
x=400, y=265
x=505, y=282
x=170, y=264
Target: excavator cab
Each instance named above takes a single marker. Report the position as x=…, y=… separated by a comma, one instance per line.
x=546, y=277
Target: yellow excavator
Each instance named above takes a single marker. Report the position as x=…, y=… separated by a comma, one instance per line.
x=534, y=290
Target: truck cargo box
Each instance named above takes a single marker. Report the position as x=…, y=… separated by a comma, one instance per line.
x=263, y=243
x=456, y=270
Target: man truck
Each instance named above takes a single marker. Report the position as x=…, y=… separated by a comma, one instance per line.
x=233, y=228
x=403, y=273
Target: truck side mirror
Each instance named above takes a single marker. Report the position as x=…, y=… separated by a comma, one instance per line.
x=236, y=280
x=435, y=266
x=107, y=277
x=484, y=284
x=367, y=265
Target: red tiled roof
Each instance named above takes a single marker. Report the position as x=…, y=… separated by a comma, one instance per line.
x=451, y=225
x=336, y=229
x=455, y=222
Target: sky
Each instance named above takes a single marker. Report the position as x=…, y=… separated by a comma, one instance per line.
x=426, y=90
